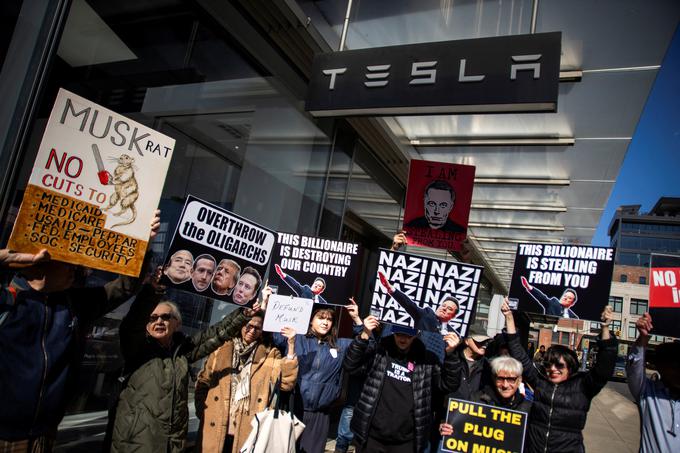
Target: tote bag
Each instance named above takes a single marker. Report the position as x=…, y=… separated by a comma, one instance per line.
x=273, y=430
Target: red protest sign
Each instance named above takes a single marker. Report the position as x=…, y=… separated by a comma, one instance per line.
x=664, y=287
x=438, y=202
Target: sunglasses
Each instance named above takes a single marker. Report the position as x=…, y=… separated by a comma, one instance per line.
x=508, y=379
x=252, y=327
x=164, y=316
x=558, y=365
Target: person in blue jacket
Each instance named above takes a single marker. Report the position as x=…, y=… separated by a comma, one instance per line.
x=320, y=354
x=44, y=319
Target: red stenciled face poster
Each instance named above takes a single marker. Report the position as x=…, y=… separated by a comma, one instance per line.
x=664, y=294
x=438, y=201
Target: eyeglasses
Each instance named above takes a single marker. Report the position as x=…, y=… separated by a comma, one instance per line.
x=481, y=344
x=164, y=316
x=508, y=379
x=252, y=327
x=558, y=365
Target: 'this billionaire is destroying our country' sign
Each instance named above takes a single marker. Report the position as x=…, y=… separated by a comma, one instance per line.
x=96, y=181
x=217, y=254
x=321, y=269
x=480, y=428
x=567, y=281
x=438, y=204
x=423, y=285
x=664, y=294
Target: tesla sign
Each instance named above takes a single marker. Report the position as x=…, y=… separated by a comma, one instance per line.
x=504, y=74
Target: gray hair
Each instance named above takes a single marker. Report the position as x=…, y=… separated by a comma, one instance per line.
x=173, y=308
x=506, y=363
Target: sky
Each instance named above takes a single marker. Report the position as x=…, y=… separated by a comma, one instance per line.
x=651, y=168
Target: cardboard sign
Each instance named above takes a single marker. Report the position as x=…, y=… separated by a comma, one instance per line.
x=567, y=281
x=307, y=265
x=218, y=254
x=438, y=201
x=287, y=311
x=96, y=180
x=421, y=285
x=483, y=428
x=664, y=294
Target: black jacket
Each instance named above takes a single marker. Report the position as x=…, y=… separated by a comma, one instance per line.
x=487, y=395
x=364, y=357
x=471, y=382
x=558, y=414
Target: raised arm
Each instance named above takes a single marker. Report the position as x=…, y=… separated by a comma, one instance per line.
x=635, y=365
x=290, y=281
x=607, y=350
x=451, y=369
x=402, y=299
x=537, y=294
x=206, y=341
x=132, y=329
x=530, y=373
x=361, y=351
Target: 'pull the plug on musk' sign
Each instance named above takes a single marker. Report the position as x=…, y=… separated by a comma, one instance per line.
x=95, y=184
x=501, y=74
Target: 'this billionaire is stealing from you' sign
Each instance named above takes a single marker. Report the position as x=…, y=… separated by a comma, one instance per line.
x=96, y=181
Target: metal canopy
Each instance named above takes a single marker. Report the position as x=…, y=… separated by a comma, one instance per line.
x=540, y=177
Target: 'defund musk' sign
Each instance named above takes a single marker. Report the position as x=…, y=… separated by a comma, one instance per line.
x=503, y=74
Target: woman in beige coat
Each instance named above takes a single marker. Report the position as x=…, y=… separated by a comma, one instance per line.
x=235, y=384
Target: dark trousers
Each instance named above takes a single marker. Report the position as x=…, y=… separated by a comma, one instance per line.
x=375, y=446
x=313, y=438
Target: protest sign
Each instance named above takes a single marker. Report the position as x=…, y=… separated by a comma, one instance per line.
x=218, y=254
x=480, y=428
x=96, y=181
x=421, y=286
x=567, y=281
x=315, y=268
x=438, y=201
x=664, y=294
x=287, y=311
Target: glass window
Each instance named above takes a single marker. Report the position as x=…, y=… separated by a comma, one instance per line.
x=242, y=141
x=616, y=303
x=623, y=278
x=555, y=337
x=632, y=331
x=564, y=338
x=642, y=280
x=638, y=306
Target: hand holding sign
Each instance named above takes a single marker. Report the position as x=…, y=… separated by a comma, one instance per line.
x=353, y=310
x=445, y=429
x=452, y=341
x=370, y=324
x=644, y=324
x=13, y=259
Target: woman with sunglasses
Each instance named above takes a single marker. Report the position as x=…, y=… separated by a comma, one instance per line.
x=236, y=382
x=152, y=413
x=562, y=394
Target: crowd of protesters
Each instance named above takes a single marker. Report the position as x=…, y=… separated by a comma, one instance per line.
x=398, y=392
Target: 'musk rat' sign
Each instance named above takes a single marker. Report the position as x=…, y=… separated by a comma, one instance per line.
x=96, y=181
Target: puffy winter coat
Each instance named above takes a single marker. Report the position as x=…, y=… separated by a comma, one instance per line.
x=213, y=393
x=152, y=412
x=370, y=358
x=558, y=414
x=42, y=337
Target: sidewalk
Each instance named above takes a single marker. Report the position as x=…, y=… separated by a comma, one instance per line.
x=612, y=425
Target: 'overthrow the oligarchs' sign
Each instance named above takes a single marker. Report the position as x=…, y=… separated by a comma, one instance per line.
x=480, y=428
x=664, y=294
x=425, y=293
x=323, y=270
x=96, y=181
x=438, y=204
x=566, y=281
x=218, y=254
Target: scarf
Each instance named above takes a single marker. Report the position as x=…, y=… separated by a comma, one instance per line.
x=241, y=362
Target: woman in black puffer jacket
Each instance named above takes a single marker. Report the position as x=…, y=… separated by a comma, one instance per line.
x=562, y=394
